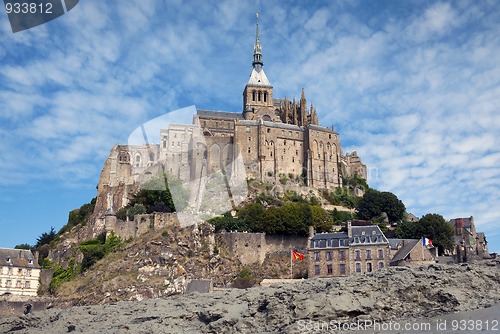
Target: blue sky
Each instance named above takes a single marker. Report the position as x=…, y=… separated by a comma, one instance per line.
x=413, y=86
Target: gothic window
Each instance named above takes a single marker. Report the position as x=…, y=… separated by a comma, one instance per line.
x=265, y=96
x=253, y=96
x=258, y=96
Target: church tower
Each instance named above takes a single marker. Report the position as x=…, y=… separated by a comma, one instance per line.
x=258, y=93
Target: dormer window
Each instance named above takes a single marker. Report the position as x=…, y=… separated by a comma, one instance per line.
x=8, y=260
x=341, y=242
x=30, y=261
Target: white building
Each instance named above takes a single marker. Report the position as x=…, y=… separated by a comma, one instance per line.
x=19, y=272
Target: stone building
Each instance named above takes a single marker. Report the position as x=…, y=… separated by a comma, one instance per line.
x=19, y=272
x=361, y=249
x=406, y=252
x=270, y=139
x=468, y=243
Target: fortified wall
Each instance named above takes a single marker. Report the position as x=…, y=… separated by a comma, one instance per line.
x=253, y=248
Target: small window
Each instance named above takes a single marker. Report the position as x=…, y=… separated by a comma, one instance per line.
x=380, y=265
x=27, y=285
x=358, y=267
x=316, y=256
x=249, y=150
x=268, y=130
x=329, y=269
x=368, y=254
x=329, y=256
x=369, y=267
x=358, y=255
x=317, y=270
x=342, y=255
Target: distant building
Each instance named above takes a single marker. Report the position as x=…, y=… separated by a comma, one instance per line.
x=362, y=249
x=19, y=272
x=412, y=218
x=410, y=252
x=468, y=243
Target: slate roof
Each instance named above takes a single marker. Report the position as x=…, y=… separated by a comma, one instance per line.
x=403, y=252
x=394, y=243
x=361, y=235
x=17, y=258
x=219, y=114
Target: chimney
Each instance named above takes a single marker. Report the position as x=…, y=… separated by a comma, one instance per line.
x=311, y=231
x=349, y=228
x=37, y=254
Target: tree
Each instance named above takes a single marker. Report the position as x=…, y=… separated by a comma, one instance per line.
x=432, y=226
x=23, y=246
x=45, y=238
x=322, y=221
x=162, y=194
x=375, y=202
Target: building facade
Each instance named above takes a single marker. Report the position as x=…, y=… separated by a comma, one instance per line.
x=362, y=249
x=19, y=272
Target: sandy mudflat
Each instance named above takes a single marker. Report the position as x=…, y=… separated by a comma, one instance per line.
x=435, y=292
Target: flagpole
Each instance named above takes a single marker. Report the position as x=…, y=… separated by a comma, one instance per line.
x=291, y=264
x=422, y=242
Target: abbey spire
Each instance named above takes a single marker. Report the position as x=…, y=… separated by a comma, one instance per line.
x=257, y=48
x=258, y=93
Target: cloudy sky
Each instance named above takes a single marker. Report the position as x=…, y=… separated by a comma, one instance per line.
x=413, y=86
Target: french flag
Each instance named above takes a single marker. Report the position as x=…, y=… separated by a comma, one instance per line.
x=426, y=242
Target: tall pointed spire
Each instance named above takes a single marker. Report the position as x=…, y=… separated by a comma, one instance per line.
x=257, y=49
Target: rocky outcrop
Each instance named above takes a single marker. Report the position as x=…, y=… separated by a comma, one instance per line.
x=385, y=295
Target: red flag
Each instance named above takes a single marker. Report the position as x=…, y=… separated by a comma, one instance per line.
x=297, y=256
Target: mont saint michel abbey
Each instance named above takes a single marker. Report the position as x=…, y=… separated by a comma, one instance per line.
x=275, y=137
